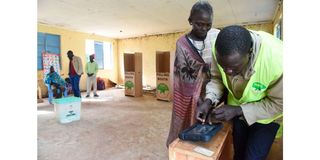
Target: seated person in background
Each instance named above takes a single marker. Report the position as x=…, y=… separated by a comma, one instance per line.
x=68, y=86
x=54, y=79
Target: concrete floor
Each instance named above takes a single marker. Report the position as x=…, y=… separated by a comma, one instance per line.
x=112, y=126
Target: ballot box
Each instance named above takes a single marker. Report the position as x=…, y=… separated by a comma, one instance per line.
x=67, y=109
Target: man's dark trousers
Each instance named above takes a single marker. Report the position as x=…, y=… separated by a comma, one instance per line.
x=75, y=79
x=252, y=142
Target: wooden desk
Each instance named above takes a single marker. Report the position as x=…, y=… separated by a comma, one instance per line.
x=220, y=144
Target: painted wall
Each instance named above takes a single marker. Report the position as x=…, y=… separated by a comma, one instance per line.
x=267, y=27
x=278, y=17
x=148, y=46
x=75, y=41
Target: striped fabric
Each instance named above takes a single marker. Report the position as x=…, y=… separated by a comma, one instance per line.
x=180, y=102
x=190, y=71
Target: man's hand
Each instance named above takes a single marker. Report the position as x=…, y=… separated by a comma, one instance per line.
x=202, y=110
x=227, y=112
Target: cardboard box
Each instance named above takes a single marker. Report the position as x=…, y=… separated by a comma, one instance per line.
x=133, y=74
x=163, y=90
x=67, y=109
x=129, y=83
x=164, y=76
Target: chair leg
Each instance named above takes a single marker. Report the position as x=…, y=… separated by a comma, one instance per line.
x=50, y=94
x=65, y=93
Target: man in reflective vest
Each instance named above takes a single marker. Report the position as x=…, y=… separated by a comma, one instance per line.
x=248, y=64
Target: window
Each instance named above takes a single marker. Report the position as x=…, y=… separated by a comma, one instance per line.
x=278, y=30
x=108, y=56
x=102, y=51
x=98, y=52
x=49, y=43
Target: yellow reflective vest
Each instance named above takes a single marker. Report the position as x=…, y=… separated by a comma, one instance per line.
x=268, y=68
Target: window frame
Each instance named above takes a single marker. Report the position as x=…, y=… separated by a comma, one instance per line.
x=48, y=43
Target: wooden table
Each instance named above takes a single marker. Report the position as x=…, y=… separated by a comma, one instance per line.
x=220, y=144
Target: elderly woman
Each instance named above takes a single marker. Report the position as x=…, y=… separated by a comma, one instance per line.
x=192, y=68
x=56, y=85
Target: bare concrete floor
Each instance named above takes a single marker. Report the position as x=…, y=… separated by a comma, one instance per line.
x=112, y=126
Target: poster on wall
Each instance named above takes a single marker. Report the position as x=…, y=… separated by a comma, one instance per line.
x=49, y=60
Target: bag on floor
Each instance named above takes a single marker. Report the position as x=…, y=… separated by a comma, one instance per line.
x=100, y=84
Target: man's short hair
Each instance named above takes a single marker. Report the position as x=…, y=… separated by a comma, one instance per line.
x=69, y=52
x=233, y=39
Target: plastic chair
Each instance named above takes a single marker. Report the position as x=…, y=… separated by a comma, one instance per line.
x=50, y=92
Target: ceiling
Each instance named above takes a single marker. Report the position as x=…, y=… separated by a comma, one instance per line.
x=134, y=18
